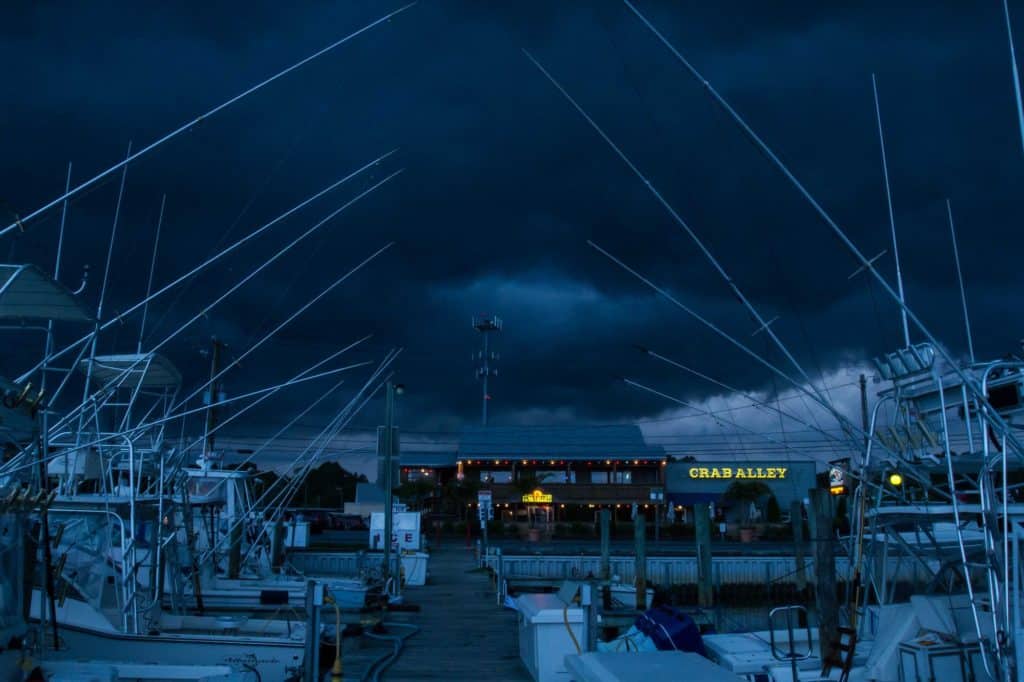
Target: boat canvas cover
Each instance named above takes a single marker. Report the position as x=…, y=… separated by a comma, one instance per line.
x=86, y=541
x=896, y=623
x=152, y=369
x=27, y=293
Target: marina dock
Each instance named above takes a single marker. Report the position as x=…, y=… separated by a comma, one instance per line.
x=463, y=634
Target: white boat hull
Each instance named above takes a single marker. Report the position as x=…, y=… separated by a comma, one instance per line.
x=259, y=595
x=276, y=658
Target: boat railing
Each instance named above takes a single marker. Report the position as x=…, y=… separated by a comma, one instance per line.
x=790, y=654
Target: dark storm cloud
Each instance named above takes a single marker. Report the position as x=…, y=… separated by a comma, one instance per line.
x=505, y=183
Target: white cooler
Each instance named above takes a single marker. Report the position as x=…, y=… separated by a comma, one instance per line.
x=544, y=640
x=415, y=566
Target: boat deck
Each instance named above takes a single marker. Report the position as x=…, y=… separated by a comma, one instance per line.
x=463, y=634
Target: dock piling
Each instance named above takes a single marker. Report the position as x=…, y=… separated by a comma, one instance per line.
x=606, y=573
x=640, y=535
x=702, y=521
x=796, y=519
x=825, y=571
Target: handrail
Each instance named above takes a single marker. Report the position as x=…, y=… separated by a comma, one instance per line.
x=792, y=656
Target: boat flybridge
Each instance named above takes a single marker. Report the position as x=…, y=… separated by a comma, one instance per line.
x=101, y=525
x=940, y=489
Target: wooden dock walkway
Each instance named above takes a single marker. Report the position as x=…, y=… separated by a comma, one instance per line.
x=463, y=634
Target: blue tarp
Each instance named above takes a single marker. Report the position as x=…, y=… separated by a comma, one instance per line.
x=671, y=630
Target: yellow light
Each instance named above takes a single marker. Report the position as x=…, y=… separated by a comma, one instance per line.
x=895, y=479
x=552, y=462
x=524, y=461
x=607, y=461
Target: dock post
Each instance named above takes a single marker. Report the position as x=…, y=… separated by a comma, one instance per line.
x=640, y=537
x=311, y=659
x=796, y=519
x=590, y=611
x=500, y=577
x=702, y=521
x=606, y=571
x=826, y=600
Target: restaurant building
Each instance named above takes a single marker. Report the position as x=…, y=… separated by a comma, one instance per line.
x=567, y=474
x=555, y=473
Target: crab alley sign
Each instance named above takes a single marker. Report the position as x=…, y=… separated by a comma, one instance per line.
x=739, y=472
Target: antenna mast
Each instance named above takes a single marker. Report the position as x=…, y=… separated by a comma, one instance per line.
x=485, y=324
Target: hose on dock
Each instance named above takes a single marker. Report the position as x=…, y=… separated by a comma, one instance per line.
x=377, y=668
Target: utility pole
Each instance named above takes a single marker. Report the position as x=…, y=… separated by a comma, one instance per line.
x=214, y=395
x=389, y=451
x=485, y=324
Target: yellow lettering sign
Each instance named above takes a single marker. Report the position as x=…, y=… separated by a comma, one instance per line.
x=538, y=497
x=738, y=472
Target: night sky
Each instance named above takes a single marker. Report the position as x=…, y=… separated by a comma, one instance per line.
x=504, y=183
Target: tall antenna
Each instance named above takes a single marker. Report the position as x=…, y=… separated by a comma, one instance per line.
x=1016, y=75
x=960, y=278
x=485, y=324
x=892, y=220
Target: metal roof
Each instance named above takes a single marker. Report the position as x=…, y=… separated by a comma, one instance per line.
x=153, y=369
x=428, y=459
x=27, y=293
x=619, y=441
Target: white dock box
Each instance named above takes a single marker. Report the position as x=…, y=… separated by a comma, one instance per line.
x=415, y=566
x=544, y=640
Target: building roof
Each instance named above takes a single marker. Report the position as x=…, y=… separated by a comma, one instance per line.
x=620, y=441
x=428, y=458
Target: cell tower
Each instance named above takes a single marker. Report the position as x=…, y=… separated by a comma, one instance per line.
x=485, y=324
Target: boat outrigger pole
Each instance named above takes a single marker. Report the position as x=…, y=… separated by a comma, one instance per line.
x=971, y=385
x=1016, y=74
x=892, y=218
x=19, y=223
x=213, y=259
